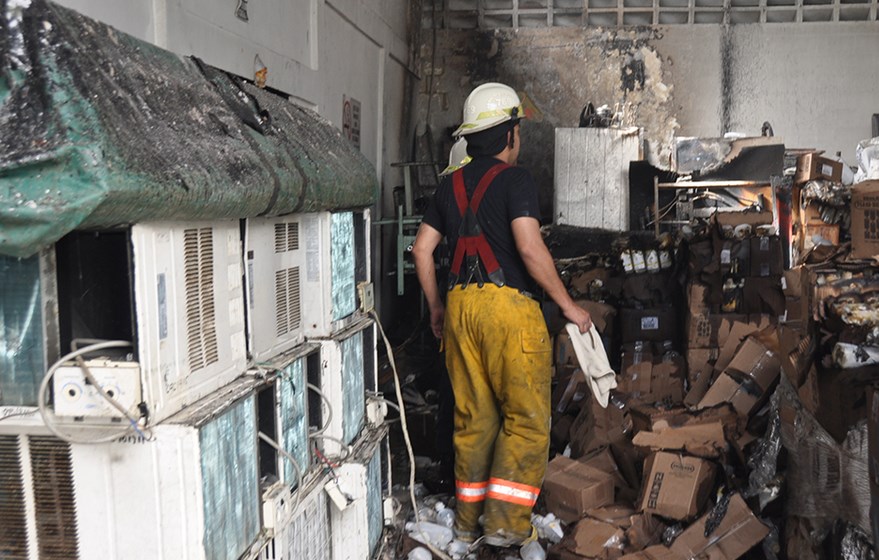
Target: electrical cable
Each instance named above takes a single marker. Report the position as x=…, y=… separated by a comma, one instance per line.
x=406, y=438
x=317, y=390
x=292, y=460
x=337, y=440
x=48, y=417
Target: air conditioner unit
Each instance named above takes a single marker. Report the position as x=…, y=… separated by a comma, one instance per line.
x=192, y=491
x=306, y=534
x=190, y=311
x=357, y=529
x=349, y=370
x=28, y=326
x=293, y=417
x=337, y=260
x=275, y=250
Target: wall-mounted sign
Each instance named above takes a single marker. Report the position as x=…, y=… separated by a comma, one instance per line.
x=351, y=119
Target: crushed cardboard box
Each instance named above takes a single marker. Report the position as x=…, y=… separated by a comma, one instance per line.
x=675, y=486
x=597, y=427
x=570, y=488
x=738, y=532
x=700, y=440
x=745, y=381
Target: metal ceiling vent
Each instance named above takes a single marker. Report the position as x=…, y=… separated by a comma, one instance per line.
x=201, y=327
x=288, y=310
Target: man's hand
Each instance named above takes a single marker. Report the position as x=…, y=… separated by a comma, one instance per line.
x=437, y=316
x=579, y=317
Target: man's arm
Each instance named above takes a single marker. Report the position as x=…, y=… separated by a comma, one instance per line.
x=422, y=251
x=538, y=261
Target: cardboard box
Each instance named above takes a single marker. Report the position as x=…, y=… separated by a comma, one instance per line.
x=733, y=219
x=563, y=351
x=747, y=378
x=641, y=530
x=739, y=531
x=766, y=256
x=865, y=219
x=571, y=487
x=594, y=539
x=602, y=314
x=700, y=440
x=813, y=166
x=675, y=486
x=819, y=233
x=570, y=390
x=646, y=417
x=712, y=330
x=700, y=361
x=735, y=257
x=763, y=296
x=873, y=435
x=603, y=460
x=657, y=552
x=636, y=371
x=597, y=427
x=649, y=325
x=697, y=297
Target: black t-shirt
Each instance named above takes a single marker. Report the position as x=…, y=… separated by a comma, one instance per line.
x=512, y=194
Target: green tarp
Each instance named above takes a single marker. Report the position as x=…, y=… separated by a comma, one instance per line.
x=98, y=129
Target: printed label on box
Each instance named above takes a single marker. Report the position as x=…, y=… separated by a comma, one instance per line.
x=649, y=323
x=827, y=170
x=764, y=269
x=764, y=243
x=725, y=256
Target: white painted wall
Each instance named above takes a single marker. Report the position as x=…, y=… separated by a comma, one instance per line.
x=815, y=82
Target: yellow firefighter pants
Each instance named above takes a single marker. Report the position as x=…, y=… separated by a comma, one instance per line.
x=499, y=358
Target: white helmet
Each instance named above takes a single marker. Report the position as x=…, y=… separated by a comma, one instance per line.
x=458, y=157
x=489, y=105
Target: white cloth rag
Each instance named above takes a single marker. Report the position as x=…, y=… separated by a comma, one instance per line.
x=593, y=361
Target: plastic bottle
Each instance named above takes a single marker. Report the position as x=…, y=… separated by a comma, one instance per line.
x=419, y=553
x=458, y=549
x=426, y=532
x=444, y=515
x=548, y=528
x=532, y=551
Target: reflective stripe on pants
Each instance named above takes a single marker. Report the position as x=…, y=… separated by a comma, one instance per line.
x=499, y=356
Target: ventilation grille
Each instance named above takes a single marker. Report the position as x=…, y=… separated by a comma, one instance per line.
x=287, y=301
x=308, y=535
x=286, y=237
x=54, y=500
x=13, y=527
x=201, y=326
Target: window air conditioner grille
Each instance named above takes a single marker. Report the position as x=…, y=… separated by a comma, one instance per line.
x=293, y=236
x=54, y=499
x=286, y=237
x=280, y=238
x=201, y=327
x=288, y=306
x=283, y=324
x=309, y=534
x=13, y=527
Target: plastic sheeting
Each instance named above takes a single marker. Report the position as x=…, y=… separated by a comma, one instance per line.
x=99, y=129
x=294, y=422
x=22, y=361
x=826, y=480
x=230, y=483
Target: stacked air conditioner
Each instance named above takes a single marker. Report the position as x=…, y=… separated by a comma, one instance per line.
x=230, y=323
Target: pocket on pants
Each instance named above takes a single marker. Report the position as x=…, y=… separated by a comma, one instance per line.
x=535, y=343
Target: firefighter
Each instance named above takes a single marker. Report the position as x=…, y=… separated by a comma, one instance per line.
x=498, y=351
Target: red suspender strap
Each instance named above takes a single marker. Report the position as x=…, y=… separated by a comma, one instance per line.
x=463, y=203
x=483, y=185
x=473, y=244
